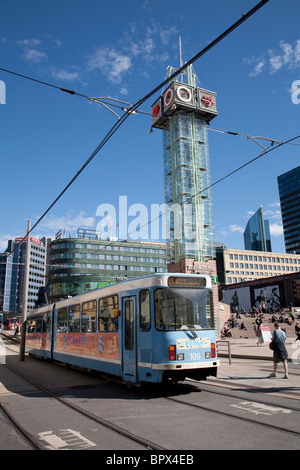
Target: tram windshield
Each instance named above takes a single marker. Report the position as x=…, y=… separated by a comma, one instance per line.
x=177, y=309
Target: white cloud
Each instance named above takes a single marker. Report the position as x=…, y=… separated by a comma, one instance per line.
x=236, y=228
x=276, y=230
x=260, y=63
x=65, y=74
x=276, y=62
x=32, y=50
x=144, y=47
x=69, y=222
x=123, y=91
x=111, y=63
x=166, y=34
x=286, y=55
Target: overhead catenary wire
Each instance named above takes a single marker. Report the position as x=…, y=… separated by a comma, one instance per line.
x=125, y=116
x=41, y=82
x=266, y=151
x=251, y=137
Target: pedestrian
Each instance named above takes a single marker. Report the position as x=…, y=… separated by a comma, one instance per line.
x=297, y=331
x=280, y=353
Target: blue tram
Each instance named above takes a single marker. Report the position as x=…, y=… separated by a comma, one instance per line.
x=153, y=329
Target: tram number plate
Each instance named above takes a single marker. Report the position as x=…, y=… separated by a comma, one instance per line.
x=193, y=343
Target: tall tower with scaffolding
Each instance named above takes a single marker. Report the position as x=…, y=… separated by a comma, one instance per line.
x=183, y=112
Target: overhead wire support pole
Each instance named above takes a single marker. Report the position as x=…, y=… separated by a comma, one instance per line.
x=133, y=108
x=97, y=100
x=25, y=294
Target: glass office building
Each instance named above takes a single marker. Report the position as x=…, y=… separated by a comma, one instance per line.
x=289, y=193
x=81, y=264
x=257, y=233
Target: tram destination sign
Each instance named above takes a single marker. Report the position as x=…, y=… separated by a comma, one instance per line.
x=175, y=281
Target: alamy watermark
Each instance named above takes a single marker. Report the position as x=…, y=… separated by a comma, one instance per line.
x=2, y=92
x=295, y=92
x=136, y=222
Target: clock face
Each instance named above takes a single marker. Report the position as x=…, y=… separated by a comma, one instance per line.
x=168, y=97
x=184, y=94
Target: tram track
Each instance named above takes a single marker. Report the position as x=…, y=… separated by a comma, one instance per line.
x=233, y=415
x=206, y=389
x=23, y=434
x=149, y=445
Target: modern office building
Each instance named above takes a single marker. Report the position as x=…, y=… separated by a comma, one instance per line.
x=289, y=194
x=257, y=233
x=82, y=264
x=12, y=269
x=236, y=266
x=183, y=112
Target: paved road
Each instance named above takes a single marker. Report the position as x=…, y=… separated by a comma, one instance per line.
x=192, y=417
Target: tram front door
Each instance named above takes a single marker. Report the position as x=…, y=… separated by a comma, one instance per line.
x=129, y=339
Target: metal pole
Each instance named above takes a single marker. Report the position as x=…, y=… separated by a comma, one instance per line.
x=25, y=293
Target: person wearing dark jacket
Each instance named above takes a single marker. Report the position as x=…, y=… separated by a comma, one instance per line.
x=280, y=353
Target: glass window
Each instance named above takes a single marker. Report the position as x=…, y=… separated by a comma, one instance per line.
x=62, y=320
x=108, y=313
x=39, y=323
x=46, y=322
x=30, y=327
x=74, y=319
x=129, y=325
x=89, y=317
x=145, y=319
x=177, y=309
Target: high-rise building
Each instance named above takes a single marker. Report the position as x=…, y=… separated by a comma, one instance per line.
x=183, y=112
x=289, y=194
x=257, y=233
x=12, y=271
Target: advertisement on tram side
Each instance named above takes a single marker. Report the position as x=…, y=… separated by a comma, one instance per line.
x=100, y=345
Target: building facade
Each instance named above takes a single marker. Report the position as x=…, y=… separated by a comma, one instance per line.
x=80, y=264
x=12, y=271
x=235, y=266
x=289, y=193
x=272, y=293
x=257, y=233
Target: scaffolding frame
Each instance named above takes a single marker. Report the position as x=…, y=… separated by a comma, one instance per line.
x=187, y=181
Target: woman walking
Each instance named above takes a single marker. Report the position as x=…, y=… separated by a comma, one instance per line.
x=280, y=353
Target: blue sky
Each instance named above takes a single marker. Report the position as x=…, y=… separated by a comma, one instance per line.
x=121, y=49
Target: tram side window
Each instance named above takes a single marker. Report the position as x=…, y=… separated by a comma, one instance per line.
x=89, y=317
x=74, y=319
x=62, y=320
x=46, y=322
x=30, y=327
x=145, y=319
x=39, y=323
x=108, y=313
